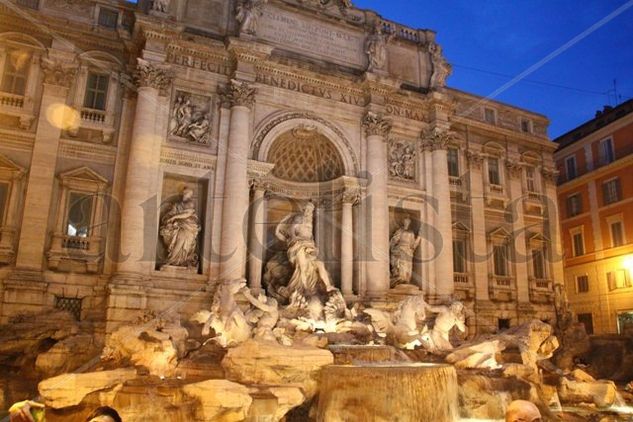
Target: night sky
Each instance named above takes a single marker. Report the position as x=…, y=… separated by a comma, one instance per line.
x=489, y=43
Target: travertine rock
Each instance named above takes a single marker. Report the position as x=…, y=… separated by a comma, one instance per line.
x=67, y=355
x=273, y=403
x=70, y=389
x=522, y=411
x=262, y=363
x=220, y=400
x=153, y=345
x=601, y=393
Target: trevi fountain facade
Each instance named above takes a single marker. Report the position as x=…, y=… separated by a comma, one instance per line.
x=191, y=190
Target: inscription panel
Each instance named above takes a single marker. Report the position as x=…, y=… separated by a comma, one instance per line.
x=311, y=37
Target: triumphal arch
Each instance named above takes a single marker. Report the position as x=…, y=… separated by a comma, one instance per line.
x=153, y=151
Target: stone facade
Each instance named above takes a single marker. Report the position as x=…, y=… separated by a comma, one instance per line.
x=109, y=111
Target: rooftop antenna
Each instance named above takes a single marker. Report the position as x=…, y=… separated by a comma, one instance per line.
x=617, y=97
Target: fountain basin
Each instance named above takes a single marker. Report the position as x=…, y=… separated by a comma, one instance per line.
x=384, y=392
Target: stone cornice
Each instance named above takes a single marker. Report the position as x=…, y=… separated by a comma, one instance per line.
x=502, y=133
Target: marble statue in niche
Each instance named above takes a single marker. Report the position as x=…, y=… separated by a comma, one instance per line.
x=247, y=15
x=441, y=68
x=179, y=230
x=402, y=157
x=376, y=48
x=401, y=249
x=160, y=6
x=191, y=119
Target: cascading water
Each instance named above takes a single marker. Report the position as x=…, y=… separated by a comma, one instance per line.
x=397, y=391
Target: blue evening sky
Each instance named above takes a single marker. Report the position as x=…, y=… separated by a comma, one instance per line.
x=509, y=36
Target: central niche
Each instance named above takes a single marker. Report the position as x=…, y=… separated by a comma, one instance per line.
x=304, y=155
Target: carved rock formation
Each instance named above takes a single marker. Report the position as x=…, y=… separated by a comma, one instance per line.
x=262, y=363
x=220, y=400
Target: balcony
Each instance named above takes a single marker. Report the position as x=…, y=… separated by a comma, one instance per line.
x=541, y=290
x=495, y=196
x=18, y=106
x=457, y=188
x=95, y=120
x=502, y=288
x=464, y=288
x=533, y=203
x=74, y=253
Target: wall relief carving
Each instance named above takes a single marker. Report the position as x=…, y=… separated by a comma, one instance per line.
x=191, y=118
x=402, y=159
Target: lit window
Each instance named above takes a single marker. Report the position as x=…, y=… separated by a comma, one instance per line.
x=607, y=154
x=459, y=256
x=570, y=166
x=574, y=205
x=611, y=191
x=500, y=256
x=108, y=18
x=579, y=244
x=538, y=263
x=96, y=91
x=617, y=234
x=490, y=116
x=494, y=176
x=618, y=279
x=79, y=214
x=16, y=68
x=582, y=284
x=453, y=162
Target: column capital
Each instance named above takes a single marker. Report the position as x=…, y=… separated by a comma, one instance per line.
x=475, y=159
x=437, y=139
x=58, y=73
x=350, y=196
x=238, y=93
x=150, y=75
x=259, y=184
x=550, y=174
x=376, y=125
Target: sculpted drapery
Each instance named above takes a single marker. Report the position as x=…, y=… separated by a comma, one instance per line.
x=179, y=230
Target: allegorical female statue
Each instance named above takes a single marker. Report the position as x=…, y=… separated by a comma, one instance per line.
x=402, y=247
x=376, y=49
x=179, y=230
x=247, y=15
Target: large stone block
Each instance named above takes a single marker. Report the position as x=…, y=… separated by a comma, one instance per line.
x=220, y=400
x=259, y=363
x=70, y=389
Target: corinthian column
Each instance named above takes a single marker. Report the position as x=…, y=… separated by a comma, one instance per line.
x=347, y=242
x=241, y=98
x=257, y=236
x=142, y=170
x=436, y=140
x=377, y=129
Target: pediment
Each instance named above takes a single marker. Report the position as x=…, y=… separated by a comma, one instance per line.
x=458, y=226
x=84, y=174
x=537, y=239
x=7, y=164
x=500, y=233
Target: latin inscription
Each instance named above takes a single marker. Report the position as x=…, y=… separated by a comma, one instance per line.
x=407, y=113
x=197, y=63
x=317, y=39
x=306, y=88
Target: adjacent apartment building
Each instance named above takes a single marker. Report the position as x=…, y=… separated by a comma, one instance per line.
x=595, y=196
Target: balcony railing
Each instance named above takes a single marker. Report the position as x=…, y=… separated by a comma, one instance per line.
x=502, y=281
x=496, y=188
x=11, y=100
x=461, y=278
x=93, y=116
x=84, y=250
